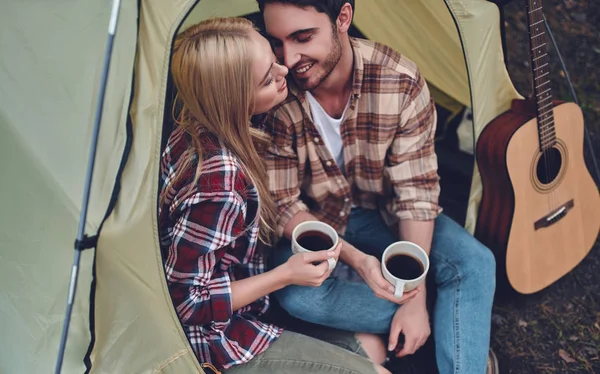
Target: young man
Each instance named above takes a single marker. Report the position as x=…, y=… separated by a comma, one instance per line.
x=353, y=147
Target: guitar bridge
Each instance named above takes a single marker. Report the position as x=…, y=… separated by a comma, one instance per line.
x=554, y=216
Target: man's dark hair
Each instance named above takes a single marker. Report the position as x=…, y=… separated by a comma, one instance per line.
x=330, y=7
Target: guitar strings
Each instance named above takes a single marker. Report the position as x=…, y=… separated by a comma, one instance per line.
x=538, y=62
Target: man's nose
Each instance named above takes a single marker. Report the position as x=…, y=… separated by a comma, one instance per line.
x=290, y=56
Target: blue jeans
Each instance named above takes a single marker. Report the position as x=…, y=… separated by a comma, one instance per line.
x=464, y=275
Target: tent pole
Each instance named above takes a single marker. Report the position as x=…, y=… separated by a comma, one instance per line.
x=81, y=237
x=586, y=131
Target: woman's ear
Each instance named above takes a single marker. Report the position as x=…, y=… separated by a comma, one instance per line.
x=344, y=20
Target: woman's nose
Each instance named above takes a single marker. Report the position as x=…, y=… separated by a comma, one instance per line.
x=283, y=71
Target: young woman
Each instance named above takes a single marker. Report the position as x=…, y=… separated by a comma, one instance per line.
x=216, y=216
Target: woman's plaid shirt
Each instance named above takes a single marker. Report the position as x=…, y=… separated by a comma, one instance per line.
x=209, y=238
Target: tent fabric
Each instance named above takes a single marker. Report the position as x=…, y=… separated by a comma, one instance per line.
x=491, y=88
x=36, y=236
x=134, y=315
x=52, y=57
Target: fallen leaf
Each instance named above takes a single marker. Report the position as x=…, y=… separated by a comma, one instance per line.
x=573, y=338
x=522, y=323
x=565, y=356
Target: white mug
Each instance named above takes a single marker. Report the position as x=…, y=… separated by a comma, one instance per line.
x=406, y=248
x=318, y=226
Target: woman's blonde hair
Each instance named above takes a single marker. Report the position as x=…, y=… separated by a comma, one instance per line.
x=212, y=71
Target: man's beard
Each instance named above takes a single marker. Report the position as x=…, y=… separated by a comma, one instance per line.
x=331, y=61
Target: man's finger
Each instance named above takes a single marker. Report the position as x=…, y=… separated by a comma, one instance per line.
x=409, y=348
x=383, y=283
x=395, y=331
x=386, y=294
x=409, y=295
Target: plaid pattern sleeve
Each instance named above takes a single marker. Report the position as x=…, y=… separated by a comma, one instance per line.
x=412, y=161
x=207, y=223
x=209, y=239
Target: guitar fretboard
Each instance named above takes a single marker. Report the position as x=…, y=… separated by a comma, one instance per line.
x=541, y=71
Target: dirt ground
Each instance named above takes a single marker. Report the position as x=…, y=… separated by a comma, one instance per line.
x=558, y=329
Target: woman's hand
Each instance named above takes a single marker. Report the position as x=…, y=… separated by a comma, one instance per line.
x=300, y=269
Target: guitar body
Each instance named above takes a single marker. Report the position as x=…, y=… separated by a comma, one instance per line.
x=540, y=212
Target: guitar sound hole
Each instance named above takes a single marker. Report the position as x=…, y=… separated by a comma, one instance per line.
x=549, y=165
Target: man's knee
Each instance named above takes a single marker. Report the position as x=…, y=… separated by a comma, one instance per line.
x=476, y=262
x=480, y=266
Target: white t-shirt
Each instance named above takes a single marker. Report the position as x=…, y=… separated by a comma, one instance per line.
x=329, y=128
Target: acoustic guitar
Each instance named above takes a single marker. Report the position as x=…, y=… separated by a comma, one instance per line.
x=540, y=208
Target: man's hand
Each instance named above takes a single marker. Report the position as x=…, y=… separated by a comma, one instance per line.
x=413, y=320
x=370, y=270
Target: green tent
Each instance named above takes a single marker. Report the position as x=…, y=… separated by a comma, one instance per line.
x=52, y=58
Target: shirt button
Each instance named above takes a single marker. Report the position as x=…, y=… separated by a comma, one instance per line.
x=342, y=214
x=316, y=140
x=346, y=199
x=328, y=163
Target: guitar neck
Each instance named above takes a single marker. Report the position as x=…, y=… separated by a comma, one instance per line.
x=541, y=73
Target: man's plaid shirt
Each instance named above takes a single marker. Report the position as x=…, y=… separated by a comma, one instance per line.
x=388, y=147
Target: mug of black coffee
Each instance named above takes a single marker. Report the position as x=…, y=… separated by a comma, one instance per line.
x=312, y=236
x=405, y=265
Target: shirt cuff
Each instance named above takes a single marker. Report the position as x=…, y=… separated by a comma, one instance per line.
x=220, y=298
x=417, y=211
x=287, y=214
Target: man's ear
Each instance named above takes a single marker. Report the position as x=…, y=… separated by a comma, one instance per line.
x=344, y=20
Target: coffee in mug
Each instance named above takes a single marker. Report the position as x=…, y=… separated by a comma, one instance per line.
x=315, y=240
x=312, y=236
x=405, y=265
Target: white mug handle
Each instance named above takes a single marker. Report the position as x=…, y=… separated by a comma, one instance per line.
x=399, y=289
x=331, y=262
